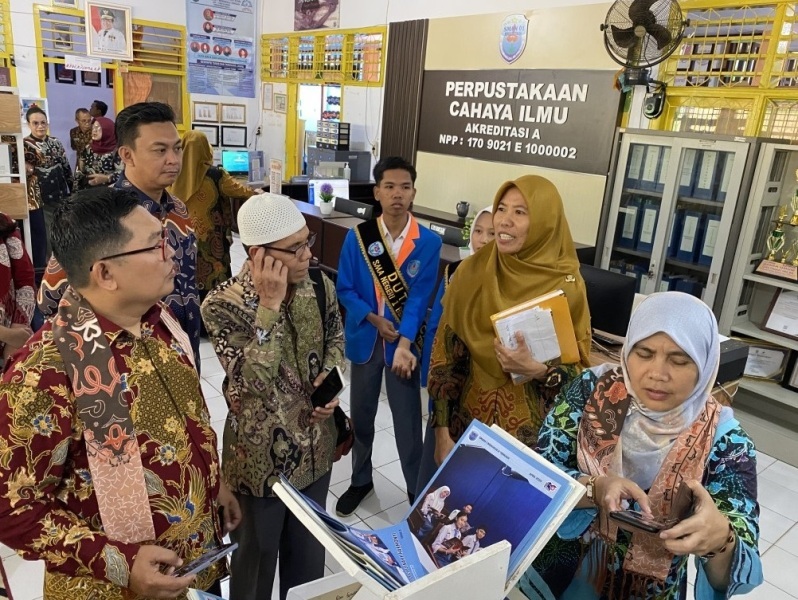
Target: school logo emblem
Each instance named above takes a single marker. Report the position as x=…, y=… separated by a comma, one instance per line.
x=550, y=486
x=512, y=40
x=413, y=267
x=472, y=436
x=376, y=249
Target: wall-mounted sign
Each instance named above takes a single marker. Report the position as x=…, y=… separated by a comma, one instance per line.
x=82, y=63
x=512, y=41
x=555, y=119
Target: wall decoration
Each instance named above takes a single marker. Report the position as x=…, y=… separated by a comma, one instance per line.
x=234, y=113
x=62, y=36
x=64, y=75
x=280, y=103
x=65, y=3
x=234, y=137
x=211, y=132
x=90, y=78
x=109, y=31
x=316, y=14
x=221, y=47
x=268, y=90
x=207, y=112
x=512, y=39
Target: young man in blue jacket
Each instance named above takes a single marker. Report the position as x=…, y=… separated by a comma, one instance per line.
x=386, y=276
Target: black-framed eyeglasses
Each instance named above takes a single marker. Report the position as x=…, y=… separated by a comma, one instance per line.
x=295, y=251
x=159, y=246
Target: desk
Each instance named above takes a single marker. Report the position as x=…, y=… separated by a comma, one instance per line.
x=315, y=221
x=334, y=234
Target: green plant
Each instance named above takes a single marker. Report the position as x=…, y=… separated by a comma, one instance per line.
x=467, y=230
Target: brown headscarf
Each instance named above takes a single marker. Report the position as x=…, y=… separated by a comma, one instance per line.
x=197, y=157
x=490, y=281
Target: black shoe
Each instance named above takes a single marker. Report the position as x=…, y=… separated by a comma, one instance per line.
x=348, y=503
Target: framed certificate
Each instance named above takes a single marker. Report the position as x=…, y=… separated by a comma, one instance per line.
x=211, y=132
x=234, y=137
x=782, y=316
x=766, y=361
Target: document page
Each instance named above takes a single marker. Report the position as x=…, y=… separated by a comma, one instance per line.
x=537, y=327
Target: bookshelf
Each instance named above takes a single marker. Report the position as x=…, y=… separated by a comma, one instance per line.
x=13, y=184
x=770, y=411
x=674, y=209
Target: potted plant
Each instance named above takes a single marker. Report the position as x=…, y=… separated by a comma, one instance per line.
x=465, y=251
x=327, y=197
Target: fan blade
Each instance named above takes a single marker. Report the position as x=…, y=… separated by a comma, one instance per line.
x=661, y=34
x=638, y=10
x=624, y=38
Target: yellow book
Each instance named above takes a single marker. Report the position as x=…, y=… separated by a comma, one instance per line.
x=546, y=325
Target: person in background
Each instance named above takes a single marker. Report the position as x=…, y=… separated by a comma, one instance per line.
x=445, y=548
x=471, y=542
x=49, y=179
x=652, y=426
x=98, y=108
x=80, y=135
x=17, y=283
x=480, y=234
x=152, y=153
x=432, y=509
x=110, y=466
x=386, y=278
x=207, y=191
x=275, y=347
x=469, y=377
x=99, y=163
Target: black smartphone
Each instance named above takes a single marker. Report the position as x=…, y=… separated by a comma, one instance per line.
x=332, y=385
x=204, y=561
x=638, y=520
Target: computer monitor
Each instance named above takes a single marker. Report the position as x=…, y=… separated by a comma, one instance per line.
x=235, y=162
x=354, y=208
x=450, y=235
x=340, y=189
x=610, y=297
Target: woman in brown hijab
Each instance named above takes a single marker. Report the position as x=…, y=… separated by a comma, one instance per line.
x=206, y=191
x=469, y=376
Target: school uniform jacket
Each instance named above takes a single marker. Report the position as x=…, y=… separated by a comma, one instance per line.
x=356, y=291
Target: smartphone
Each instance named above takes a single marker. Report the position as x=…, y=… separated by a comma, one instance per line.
x=638, y=520
x=332, y=385
x=204, y=561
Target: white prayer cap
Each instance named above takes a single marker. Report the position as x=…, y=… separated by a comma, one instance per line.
x=266, y=218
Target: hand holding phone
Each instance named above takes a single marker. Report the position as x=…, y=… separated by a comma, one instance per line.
x=204, y=561
x=632, y=520
x=328, y=390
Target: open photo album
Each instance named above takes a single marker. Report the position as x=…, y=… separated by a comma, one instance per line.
x=490, y=488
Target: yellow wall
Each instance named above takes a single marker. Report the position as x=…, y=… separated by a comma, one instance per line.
x=560, y=38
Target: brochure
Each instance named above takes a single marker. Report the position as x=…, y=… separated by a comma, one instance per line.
x=490, y=488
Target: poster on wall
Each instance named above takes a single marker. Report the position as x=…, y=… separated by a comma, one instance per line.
x=562, y=119
x=221, y=47
x=316, y=14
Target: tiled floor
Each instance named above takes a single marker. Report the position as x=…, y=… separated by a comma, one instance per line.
x=778, y=488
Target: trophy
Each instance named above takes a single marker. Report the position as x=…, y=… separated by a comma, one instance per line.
x=775, y=243
x=794, y=204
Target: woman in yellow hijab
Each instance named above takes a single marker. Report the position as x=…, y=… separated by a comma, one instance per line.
x=469, y=377
x=207, y=190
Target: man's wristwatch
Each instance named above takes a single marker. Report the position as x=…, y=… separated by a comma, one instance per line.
x=591, y=488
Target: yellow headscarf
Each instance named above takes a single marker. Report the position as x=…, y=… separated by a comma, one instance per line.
x=197, y=157
x=490, y=281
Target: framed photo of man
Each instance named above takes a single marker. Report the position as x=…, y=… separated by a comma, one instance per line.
x=109, y=31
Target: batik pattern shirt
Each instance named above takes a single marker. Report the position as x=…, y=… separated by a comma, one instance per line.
x=729, y=477
x=51, y=180
x=184, y=300
x=271, y=359
x=79, y=140
x=47, y=502
x=91, y=163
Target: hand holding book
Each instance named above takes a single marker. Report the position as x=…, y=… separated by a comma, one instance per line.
x=519, y=360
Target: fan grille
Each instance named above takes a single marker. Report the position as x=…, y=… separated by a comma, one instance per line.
x=640, y=47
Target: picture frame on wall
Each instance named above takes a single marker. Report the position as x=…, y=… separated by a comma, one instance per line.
x=766, y=360
x=234, y=137
x=234, y=113
x=109, y=78
x=64, y=75
x=790, y=380
x=268, y=90
x=109, y=31
x=782, y=316
x=65, y=3
x=62, y=36
x=205, y=112
x=90, y=78
x=280, y=103
x=211, y=132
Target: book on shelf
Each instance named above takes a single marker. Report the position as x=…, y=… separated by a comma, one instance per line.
x=651, y=162
x=662, y=169
x=648, y=225
x=688, y=241
x=636, y=153
x=725, y=176
x=629, y=223
x=515, y=495
x=709, y=239
x=546, y=325
x=707, y=175
x=688, y=171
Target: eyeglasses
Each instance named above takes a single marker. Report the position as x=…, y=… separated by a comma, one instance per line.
x=159, y=246
x=295, y=251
